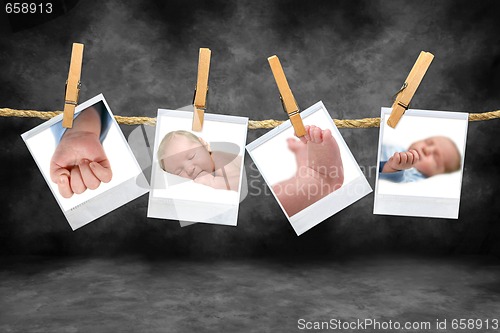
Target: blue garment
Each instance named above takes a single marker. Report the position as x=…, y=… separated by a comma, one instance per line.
x=58, y=130
x=403, y=176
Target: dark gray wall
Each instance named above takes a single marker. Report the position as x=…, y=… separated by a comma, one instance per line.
x=353, y=55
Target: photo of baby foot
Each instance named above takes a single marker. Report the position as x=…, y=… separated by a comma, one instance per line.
x=313, y=176
x=319, y=170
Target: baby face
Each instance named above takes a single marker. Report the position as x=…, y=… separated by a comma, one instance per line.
x=438, y=154
x=186, y=157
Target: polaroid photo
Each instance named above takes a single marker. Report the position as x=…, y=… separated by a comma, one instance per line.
x=420, y=164
x=89, y=168
x=197, y=176
x=311, y=181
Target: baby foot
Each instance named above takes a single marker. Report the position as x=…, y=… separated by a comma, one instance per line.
x=323, y=157
x=319, y=171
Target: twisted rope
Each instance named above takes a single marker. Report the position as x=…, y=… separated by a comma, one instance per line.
x=252, y=124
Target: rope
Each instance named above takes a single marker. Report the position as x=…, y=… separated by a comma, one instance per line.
x=252, y=124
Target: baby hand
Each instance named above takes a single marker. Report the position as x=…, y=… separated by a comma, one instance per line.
x=401, y=161
x=79, y=163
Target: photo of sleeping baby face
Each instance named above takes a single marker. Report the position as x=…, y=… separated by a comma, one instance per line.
x=183, y=153
x=428, y=157
x=197, y=176
x=436, y=155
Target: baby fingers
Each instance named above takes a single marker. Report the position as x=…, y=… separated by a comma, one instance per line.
x=404, y=158
x=76, y=181
x=102, y=171
x=396, y=158
x=88, y=177
x=415, y=156
x=63, y=186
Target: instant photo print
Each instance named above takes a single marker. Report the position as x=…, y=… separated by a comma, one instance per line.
x=420, y=164
x=89, y=168
x=312, y=181
x=197, y=176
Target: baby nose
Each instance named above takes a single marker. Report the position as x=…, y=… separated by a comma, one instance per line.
x=190, y=170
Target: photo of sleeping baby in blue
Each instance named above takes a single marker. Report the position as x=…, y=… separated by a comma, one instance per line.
x=423, y=159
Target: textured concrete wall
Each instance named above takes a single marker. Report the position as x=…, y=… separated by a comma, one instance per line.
x=353, y=55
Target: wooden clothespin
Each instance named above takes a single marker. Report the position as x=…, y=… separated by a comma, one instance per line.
x=73, y=85
x=287, y=100
x=405, y=94
x=201, y=90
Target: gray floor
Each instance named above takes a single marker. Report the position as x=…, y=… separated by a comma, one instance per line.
x=138, y=295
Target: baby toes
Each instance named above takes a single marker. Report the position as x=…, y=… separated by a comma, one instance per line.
x=327, y=134
x=307, y=136
x=316, y=135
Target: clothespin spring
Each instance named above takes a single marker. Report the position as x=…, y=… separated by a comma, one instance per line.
x=204, y=108
x=292, y=113
x=78, y=87
x=403, y=87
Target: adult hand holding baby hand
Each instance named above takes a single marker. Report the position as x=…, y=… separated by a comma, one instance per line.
x=401, y=161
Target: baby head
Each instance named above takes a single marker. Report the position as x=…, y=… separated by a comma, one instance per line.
x=438, y=155
x=184, y=154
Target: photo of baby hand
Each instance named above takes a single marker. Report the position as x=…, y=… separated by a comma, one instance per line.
x=79, y=161
x=401, y=161
x=184, y=154
x=319, y=170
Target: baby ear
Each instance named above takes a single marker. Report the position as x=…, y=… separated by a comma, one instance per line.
x=206, y=144
x=162, y=165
